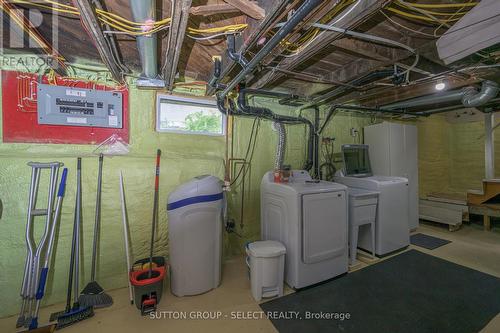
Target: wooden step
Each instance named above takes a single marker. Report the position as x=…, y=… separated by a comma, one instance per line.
x=491, y=189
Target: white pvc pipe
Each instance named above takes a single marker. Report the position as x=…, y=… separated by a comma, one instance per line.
x=125, y=236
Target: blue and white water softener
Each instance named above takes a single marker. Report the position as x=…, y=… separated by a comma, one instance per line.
x=195, y=235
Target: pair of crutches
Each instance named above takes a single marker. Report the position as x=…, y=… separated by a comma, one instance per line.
x=39, y=254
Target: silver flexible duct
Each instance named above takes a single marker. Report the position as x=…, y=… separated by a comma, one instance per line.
x=144, y=11
x=280, y=149
x=473, y=98
x=469, y=97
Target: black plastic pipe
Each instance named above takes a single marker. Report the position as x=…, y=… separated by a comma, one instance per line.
x=233, y=54
x=245, y=110
x=344, y=89
x=216, y=74
x=305, y=9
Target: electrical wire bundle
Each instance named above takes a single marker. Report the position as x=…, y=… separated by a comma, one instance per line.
x=294, y=48
x=117, y=22
x=441, y=14
x=125, y=26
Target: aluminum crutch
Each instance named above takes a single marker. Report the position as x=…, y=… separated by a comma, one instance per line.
x=35, y=251
x=44, y=271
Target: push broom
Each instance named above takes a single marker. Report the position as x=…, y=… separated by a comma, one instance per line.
x=75, y=313
x=93, y=294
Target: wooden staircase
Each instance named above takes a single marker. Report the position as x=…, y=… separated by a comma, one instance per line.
x=485, y=202
x=491, y=190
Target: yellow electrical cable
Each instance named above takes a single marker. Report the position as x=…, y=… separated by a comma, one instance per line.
x=58, y=4
x=74, y=12
x=418, y=17
x=312, y=33
x=105, y=13
x=431, y=12
x=130, y=27
x=235, y=27
x=444, y=5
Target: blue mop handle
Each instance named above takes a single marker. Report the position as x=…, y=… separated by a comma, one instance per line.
x=43, y=274
x=62, y=185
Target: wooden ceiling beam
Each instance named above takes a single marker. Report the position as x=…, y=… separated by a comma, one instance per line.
x=175, y=39
x=364, y=49
x=278, y=8
x=215, y=9
x=89, y=19
x=22, y=22
x=354, y=15
x=298, y=31
x=249, y=8
x=386, y=95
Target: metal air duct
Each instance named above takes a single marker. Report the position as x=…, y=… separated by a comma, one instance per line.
x=473, y=98
x=468, y=96
x=280, y=149
x=147, y=45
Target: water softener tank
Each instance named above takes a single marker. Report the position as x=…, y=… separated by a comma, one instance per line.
x=195, y=235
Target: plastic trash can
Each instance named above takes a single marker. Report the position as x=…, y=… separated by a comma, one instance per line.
x=266, y=260
x=195, y=224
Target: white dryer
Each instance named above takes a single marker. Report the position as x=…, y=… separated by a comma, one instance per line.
x=392, y=232
x=310, y=218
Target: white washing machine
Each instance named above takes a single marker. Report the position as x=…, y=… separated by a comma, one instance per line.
x=310, y=219
x=392, y=232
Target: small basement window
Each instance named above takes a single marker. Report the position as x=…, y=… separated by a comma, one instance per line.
x=189, y=116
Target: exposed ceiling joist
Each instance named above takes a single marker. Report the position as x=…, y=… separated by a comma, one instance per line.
x=354, y=15
x=294, y=36
x=22, y=23
x=215, y=9
x=277, y=9
x=364, y=49
x=387, y=95
x=249, y=8
x=176, y=35
x=89, y=19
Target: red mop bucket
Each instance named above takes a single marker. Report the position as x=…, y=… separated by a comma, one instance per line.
x=147, y=290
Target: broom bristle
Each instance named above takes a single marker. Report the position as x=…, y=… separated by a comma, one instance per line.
x=93, y=288
x=74, y=316
x=93, y=295
x=55, y=315
x=97, y=301
x=20, y=321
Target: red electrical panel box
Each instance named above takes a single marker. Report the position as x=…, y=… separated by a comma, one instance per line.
x=19, y=112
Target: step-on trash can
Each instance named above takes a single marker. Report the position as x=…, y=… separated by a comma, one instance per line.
x=266, y=260
x=195, y=219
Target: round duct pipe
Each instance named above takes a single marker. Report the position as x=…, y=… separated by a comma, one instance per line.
x=469, y=97
x=473, y=98
x=280, y=149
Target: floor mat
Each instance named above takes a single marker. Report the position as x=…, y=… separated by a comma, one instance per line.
x=411, y=292
x=427, y=242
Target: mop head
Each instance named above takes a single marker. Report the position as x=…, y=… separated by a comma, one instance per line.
x=74, y=316
x=94, y=296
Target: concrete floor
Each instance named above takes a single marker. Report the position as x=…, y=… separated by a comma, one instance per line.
x=470, y=247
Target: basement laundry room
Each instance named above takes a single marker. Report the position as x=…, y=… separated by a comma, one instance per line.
x=250, y=166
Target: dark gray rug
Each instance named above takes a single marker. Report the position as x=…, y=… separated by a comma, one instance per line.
x=427, y=242
x=411, y=292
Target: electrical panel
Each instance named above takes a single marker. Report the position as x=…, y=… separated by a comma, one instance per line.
x=72, y=106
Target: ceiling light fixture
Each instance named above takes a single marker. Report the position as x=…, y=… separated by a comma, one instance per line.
x=440, y=86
